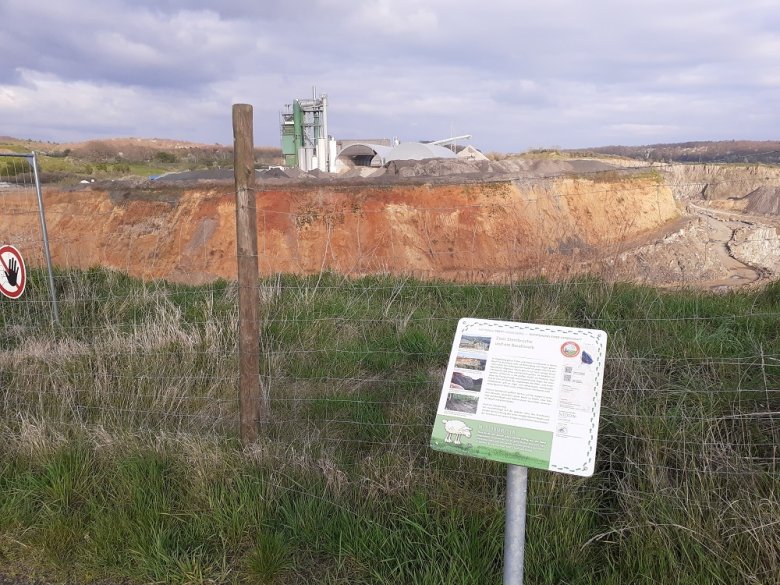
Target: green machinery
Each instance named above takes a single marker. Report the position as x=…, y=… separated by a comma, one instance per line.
x=304, y=130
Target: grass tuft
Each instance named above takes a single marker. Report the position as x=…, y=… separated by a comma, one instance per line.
x=119, y=460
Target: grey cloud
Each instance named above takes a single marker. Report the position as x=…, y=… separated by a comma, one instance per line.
x=563, y=72
x=135, y=47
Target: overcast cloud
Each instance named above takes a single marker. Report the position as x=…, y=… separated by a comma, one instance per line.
x=513, y=73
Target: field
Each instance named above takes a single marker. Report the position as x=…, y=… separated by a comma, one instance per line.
x=115, y=158
x=120, y=460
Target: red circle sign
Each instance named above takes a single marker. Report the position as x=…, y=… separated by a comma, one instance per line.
x=13, y=275
x=570, y=349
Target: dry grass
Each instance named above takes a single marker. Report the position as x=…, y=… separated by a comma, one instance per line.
x=119, y=425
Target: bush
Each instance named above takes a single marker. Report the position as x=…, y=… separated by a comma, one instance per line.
x=164, y=157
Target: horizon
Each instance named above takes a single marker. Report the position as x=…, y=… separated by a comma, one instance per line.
x=278, y=146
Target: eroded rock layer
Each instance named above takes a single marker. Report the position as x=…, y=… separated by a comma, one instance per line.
x=477, y=230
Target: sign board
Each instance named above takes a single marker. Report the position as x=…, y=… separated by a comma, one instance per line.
x=13, y=275
x=523, y=394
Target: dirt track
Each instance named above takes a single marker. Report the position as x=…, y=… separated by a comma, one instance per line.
x=720, y=234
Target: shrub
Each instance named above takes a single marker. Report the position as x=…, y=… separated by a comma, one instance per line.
x=164, y=157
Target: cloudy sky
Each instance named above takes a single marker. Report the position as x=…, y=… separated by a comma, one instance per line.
x=515, y=74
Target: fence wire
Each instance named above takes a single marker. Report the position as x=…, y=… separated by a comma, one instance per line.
x=353, y=365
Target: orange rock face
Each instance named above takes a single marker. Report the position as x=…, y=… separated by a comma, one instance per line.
x=485, y=231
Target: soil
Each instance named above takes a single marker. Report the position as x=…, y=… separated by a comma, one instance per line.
x=692, y=225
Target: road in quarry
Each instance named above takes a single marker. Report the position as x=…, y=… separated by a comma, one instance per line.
x=721, y=228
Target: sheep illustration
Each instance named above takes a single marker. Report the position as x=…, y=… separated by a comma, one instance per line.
x=455, y=428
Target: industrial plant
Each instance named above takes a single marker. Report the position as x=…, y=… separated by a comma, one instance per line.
x=307, y=145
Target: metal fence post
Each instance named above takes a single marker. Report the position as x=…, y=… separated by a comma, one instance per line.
x=44, y=232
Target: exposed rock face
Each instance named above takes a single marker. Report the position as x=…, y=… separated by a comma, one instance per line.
x=681, y=257
x=484, y=231
x=756, y=246
x=487, y=231
x=751, y=188
x=511, y=220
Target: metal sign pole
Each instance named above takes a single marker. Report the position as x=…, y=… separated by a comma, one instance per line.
x=514, y=532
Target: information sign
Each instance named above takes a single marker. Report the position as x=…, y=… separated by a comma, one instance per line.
x=523, y=394
x=13, y=275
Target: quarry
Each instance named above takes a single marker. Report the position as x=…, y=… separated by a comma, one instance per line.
x=695, y=225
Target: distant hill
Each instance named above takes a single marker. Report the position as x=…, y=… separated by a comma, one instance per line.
x=151, y=149
x=727, y=151
x=112, y=158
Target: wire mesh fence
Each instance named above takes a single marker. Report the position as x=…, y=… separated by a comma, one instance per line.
x=359, y=302
x=20, y=204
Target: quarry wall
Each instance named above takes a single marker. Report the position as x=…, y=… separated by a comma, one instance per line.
x=486, y=231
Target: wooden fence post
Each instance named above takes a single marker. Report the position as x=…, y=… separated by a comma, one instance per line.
x=252, y=411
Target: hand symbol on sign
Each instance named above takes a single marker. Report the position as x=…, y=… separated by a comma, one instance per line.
x=13, y=272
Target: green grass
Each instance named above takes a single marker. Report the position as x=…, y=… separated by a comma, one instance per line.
x=73, y=169
x=15, y=147
x=119, y=460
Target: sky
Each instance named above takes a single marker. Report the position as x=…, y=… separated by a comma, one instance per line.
x=514, y=74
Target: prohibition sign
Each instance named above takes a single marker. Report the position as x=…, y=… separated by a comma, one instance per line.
x=13, y=275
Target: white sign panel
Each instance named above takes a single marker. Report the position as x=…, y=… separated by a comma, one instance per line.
x=524, y=394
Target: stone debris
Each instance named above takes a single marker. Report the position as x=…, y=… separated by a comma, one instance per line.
x=764, y=201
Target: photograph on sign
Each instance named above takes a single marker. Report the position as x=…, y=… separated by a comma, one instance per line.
x=523, y=394
x=13, y=275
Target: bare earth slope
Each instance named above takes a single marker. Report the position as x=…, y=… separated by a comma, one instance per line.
x=729, y=235
x=505, y=222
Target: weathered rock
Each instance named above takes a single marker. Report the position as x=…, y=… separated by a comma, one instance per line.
x=757, y=246
x=487, y=231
